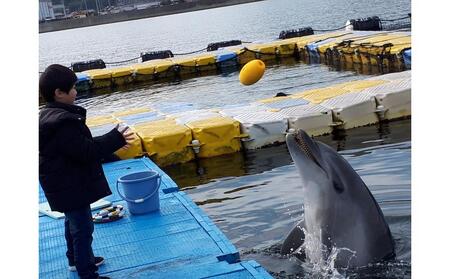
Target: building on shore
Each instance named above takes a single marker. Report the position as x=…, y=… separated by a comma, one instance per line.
x=46, y=11
x=62, y=9
x=59, y=10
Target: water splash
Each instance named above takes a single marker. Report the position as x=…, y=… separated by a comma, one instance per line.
x=320, y=260
x=289, y=267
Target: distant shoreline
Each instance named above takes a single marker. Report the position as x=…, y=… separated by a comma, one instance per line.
x=65, y=24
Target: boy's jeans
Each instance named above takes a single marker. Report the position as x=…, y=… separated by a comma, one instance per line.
x=78, y=232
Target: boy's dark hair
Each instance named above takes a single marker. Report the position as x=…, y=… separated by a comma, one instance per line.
x=56, y=76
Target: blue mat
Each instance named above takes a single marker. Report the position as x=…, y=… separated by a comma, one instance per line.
x=177, y=241
x=200, y=268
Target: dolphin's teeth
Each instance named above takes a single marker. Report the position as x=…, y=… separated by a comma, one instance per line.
x=301, y=143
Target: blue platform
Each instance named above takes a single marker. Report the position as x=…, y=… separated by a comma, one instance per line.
x=179, y=241
x=407, y=58
x=83, y=82
x=227, y=61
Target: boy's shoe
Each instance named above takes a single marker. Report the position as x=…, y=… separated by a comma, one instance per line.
x=98, y=261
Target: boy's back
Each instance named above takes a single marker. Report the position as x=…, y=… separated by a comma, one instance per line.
x=70, y=170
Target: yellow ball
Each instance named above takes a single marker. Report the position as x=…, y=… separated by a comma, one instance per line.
x=252, y=72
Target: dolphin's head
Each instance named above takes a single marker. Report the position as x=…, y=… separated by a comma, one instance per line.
x=320, y=187
x=338, y=206
x=312, y=161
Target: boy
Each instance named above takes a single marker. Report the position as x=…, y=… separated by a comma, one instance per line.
x=70, y=170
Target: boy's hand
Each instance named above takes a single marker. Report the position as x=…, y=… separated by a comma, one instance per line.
x=127, y=134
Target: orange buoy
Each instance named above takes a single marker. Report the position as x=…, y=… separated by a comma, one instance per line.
x=252, y=72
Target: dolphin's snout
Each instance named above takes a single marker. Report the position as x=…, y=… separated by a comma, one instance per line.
x=295, y=142
x=301, y=143
x=293, y=133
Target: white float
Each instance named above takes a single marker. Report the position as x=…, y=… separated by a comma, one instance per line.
x=352, y=110
x=393, y=99
x=315, y=119
x=263, y=127
x=393, y=76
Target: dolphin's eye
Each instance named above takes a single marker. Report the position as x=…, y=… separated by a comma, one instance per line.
x=338, y=187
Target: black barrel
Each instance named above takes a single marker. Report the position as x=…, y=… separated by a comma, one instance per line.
x=88, y=65
x=216, y=46
x=296, y=33
x=161, y=54
x=366, y=24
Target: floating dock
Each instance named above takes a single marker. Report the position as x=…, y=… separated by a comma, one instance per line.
x=171, y=133
x=388, y=51
x=179, y=241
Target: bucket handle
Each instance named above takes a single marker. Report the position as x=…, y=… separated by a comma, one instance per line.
x=141, y=200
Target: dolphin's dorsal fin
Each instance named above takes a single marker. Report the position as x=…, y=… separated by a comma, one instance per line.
x=294, y=239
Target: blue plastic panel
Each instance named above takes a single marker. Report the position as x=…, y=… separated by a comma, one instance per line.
x=225, y=56
x=230, y=254
x=312, y=49
x=407, y=58
x=171, y=234
x=179, y=241
x=42, y=197
x=199, y=268
x=82, y=77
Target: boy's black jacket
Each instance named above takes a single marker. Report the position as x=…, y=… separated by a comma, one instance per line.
x=70, y=170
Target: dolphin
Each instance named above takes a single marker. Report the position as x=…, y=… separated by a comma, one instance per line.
x=339, y=209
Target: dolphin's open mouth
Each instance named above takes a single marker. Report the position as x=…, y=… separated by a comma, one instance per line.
x=305, y=148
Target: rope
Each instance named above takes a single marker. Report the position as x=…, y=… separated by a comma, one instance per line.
x=259, y=52
x=332, y=37
x=368, y=44
x=409, y=16
x=228, y=59
x=327, y=30
x=203, y=49
x=128, y=60
x=200, y=50
x=265, y=53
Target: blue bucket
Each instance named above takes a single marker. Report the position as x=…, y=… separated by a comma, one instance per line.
x=140, y=191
